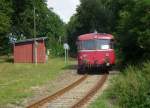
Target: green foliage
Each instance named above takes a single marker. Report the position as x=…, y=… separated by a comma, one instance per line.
x=5, y=21
x=5, y=12
x=55, y=46
x=17, y=18
x=72, y=32
x=128, y=20
x=103, y=102
x=47, y=22
x=133, y=30
x=91, y=15
x=131, y=88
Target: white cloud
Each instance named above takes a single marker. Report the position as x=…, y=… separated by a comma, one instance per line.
x=64, y=8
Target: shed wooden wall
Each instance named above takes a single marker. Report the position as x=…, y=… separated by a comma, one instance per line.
x=23, y=52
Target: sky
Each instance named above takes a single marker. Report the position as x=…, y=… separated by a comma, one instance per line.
x=64, y=8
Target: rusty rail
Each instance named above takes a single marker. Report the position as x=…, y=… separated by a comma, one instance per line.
x=91, y=93
x=57, y=94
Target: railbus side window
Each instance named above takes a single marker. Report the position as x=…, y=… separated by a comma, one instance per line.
x=112, y=43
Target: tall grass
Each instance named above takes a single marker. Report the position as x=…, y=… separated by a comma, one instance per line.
x=131, y=89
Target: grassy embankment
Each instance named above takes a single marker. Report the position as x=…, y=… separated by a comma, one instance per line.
x=130, y=89
x=16, y=80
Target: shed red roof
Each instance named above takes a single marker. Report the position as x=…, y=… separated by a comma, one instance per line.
x=95, y=36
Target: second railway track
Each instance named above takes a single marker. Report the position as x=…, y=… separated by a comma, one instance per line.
x=75, y=95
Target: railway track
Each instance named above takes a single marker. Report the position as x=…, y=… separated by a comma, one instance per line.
x=75, y=95
x=39, y=103
x=90, y=93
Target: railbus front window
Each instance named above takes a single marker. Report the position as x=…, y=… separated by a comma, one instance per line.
x=87, y=45
x=103, y=44
x=100, y=44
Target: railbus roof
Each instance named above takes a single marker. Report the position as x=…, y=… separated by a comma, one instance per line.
x=91, y=36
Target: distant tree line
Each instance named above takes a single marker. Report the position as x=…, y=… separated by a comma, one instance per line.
x=127, y=20
x=17, y=21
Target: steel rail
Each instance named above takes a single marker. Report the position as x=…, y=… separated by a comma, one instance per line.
x=91, y=93
x=57, y=94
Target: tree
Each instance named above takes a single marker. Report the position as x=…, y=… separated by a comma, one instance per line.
x=91, y=15
x=47, y=22
x=17, y=19
x=133, y=30
x=128, y=20
x=73, y=30
x=5, y=21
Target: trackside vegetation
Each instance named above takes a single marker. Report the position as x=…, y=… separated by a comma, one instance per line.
x=17, y=80
x=130, y=89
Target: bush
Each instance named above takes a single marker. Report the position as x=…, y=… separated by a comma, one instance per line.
x=56, y=48
x=131, y=89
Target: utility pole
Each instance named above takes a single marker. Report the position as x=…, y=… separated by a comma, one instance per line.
x=35, y=43
x=34, y=23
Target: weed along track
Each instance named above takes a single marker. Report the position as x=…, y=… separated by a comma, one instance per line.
x=75, y=95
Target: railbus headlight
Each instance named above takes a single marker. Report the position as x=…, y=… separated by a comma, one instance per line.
x=107, y=61
x=108, y=64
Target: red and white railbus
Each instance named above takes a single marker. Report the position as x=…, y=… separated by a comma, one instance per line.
x=95, y=50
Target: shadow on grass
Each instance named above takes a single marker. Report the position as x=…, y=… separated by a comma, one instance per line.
x=6, y=59
x=70, y=67
x=94, y=71
x=91, y=71
x=9, y=60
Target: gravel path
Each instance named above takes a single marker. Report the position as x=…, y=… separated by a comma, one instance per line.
x=71, y=97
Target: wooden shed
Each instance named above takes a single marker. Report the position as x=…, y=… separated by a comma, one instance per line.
x=30, y=51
